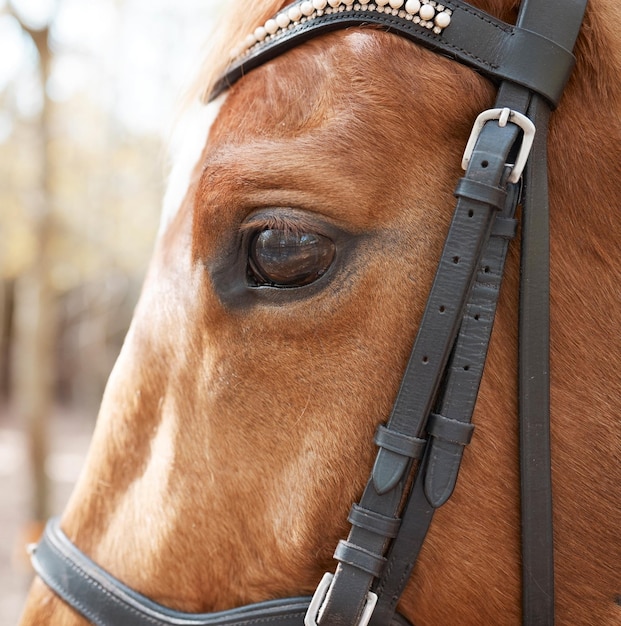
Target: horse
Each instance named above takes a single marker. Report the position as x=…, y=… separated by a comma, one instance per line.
x=305, y=216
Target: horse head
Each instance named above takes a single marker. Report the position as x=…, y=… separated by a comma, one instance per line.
x=305, y=219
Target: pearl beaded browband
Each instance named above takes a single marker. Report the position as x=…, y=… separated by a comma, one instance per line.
x=453, y=28
x=426, y=13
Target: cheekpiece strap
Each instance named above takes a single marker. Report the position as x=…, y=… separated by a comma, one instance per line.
x=459, y=265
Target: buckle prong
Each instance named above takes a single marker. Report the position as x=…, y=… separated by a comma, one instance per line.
x=310, y=619
x=503, y=116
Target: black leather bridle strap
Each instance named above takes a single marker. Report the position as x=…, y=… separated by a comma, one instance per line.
x=435, y=480
x=559, y=20
x=449, y=428
x=105, y=601
x=537, y=540
x=459, y=263
x=534, y=390
x=536, y=488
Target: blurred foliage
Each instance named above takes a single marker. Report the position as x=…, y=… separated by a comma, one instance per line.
x=104, y=197
x=106, y=189
x=81, y=153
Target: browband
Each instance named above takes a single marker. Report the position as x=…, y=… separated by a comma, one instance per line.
x=500, y=51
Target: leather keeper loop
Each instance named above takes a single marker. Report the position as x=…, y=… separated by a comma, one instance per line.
x=449, y=429
x=359, y=557
x=504, y=227
x=374, y=522
x=480, y=192
x=394, y=441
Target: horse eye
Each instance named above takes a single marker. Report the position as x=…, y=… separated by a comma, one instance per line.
x=285, y=258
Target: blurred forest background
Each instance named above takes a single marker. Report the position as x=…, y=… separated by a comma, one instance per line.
x=88, y=96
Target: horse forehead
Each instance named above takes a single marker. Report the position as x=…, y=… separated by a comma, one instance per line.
x=361, y=84
x=337, y=78
x=293, y=94
x=348, y=95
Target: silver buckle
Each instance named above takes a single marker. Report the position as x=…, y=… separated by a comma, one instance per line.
x=503, y=116
x=310, y=619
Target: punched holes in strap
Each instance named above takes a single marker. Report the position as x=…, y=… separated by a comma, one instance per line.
x=449, y=429
x=395, y=441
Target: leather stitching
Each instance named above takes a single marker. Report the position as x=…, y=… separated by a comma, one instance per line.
x=98, y=586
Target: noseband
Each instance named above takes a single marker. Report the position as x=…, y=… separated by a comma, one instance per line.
x=421, y=446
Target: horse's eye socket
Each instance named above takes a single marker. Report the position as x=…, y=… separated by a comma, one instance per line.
x=285, y=258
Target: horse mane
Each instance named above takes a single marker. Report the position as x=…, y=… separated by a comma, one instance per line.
x=235, y=22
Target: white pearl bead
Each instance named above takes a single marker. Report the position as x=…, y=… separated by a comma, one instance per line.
x=348, y=2
x=294, y=13
x=334, y=3
x=396, y=4
x=442, y=19
x=271, y=26
x=282, y=19
x=381, y=3
x=426, y=12
x=320, y=4
x=412, y=6
x=250, y=41
x=307, y=8
x=260, y=33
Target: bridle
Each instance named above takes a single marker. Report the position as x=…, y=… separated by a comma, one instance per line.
x=421, y=446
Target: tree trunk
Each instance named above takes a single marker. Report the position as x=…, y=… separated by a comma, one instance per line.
x=6, y=325
x=35, y=315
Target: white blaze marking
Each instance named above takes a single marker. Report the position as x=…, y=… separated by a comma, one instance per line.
x=186, y=147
